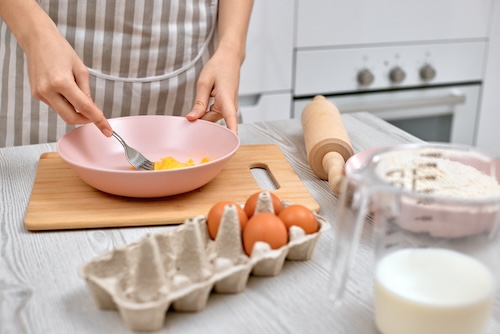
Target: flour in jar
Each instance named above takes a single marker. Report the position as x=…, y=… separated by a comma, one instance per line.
x=425, y=171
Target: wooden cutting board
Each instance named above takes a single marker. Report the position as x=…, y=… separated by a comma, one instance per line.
x=61, y=200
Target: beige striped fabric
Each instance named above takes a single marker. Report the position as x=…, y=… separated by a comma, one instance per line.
x=144, y=57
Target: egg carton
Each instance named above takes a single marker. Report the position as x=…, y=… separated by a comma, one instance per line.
x=178, y=269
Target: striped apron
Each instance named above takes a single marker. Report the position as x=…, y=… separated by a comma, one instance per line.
x=144, y=57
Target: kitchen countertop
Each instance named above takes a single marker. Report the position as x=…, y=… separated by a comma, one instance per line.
x=41, y=292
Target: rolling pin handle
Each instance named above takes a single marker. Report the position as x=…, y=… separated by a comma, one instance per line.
x=333, y=164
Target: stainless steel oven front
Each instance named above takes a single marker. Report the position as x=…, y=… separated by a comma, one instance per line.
x=418, y=65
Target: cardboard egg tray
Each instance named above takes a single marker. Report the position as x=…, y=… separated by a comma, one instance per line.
x=179, y=268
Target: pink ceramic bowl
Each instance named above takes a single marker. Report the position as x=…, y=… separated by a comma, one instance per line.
x=101, y=161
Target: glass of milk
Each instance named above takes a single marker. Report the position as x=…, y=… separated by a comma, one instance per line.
x=430, y=215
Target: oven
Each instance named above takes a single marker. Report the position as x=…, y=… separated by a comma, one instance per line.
x=438, y=114
x=418, y=65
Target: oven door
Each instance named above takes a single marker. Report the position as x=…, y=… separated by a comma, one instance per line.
x=442, y=114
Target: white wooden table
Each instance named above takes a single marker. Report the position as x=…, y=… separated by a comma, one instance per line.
x=41, y=292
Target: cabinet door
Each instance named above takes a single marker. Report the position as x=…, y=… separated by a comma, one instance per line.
x=343, y=23
x=269, y=52
x=267, y=107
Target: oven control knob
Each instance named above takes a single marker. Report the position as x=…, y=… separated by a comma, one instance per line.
x=397, y=75
x=365, y=77
x=427, y=73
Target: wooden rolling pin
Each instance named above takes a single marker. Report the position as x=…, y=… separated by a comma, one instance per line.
x=327, y=144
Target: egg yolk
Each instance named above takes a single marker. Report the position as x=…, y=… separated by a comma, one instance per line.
x=172, y=163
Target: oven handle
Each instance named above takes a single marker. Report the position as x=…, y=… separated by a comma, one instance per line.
x=455, y=97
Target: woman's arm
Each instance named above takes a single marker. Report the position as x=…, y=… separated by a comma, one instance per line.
x=234, y=17
x=57, y=75
x=221, y=75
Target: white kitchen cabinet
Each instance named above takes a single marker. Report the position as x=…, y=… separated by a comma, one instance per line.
x=343, y=23
x=265, y=107
x=266, y=75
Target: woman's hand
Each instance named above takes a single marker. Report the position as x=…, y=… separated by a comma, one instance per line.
x=60, y=79
x=220, y=77
x=219, y=80
x=57, y=75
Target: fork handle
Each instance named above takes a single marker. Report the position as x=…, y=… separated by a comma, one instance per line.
x=119, y=139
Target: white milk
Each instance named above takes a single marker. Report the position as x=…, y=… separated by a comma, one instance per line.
x=431, y=290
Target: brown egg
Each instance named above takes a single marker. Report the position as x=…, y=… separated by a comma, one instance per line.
x=251, y=203
x=265, y=227
x=215, y=215
x=300, y=216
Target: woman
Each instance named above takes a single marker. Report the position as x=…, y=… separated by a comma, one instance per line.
x=96, y=59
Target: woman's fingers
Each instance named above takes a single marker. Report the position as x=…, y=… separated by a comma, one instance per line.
x=224, y=110
x=66, y=110
x=84, y=108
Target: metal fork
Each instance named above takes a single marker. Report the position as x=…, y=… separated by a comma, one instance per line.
x=135, y=158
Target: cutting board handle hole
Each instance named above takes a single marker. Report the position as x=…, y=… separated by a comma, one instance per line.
x=263, y=176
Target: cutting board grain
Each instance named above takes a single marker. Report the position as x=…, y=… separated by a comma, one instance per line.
x=60, y=200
